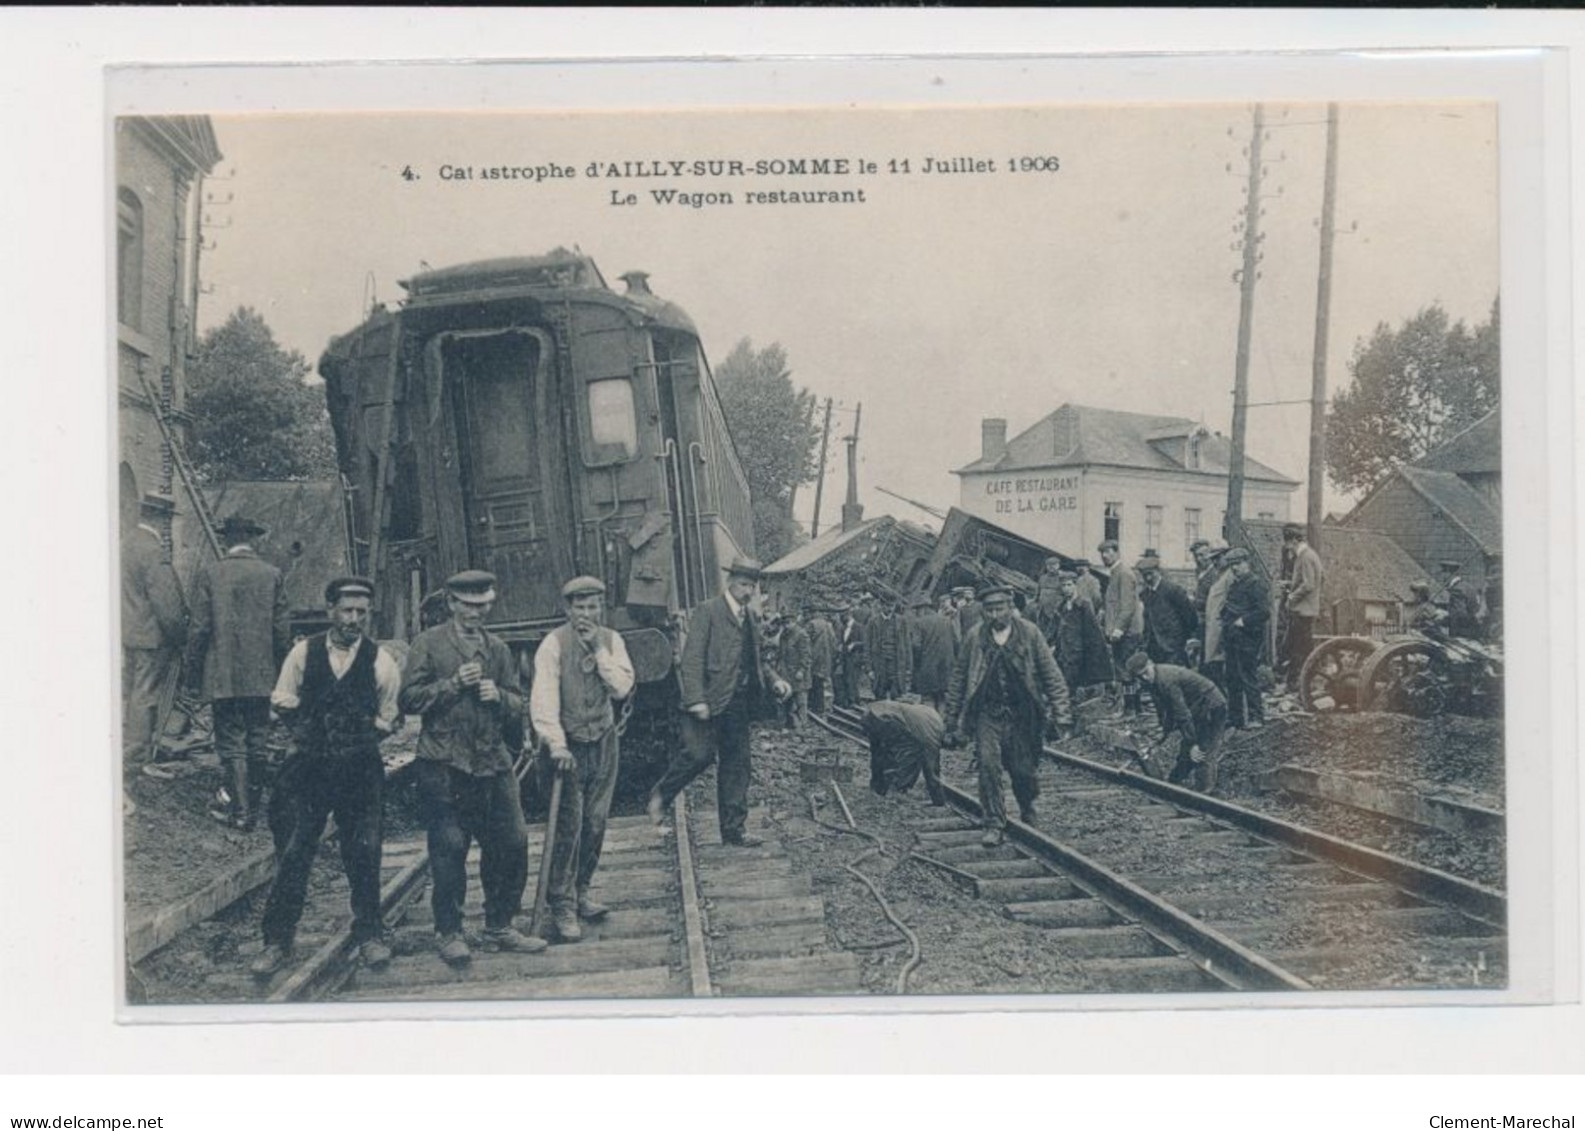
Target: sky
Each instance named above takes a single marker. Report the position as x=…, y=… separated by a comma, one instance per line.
x=1103, y=277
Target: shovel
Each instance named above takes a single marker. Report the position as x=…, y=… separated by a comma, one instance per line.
x=538, y=925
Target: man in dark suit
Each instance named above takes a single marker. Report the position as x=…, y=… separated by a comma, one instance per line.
x=1170, y=619
x=240, y=634
x=935, y=652
x=1190, y=706
x=1244, y=616
x=723, y=672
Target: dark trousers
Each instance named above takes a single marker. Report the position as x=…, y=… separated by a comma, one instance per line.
x=143, y=675
x=1122, y=648
x=847, y=685
x=1216, y=670
x=885, y=685
x=896, y=763
x=1209, y=729
x=586, y=792
x=309, y=789
x=1243, y=685
x=459, y=808
x=723, y=738
x=242, y=731
x=1301, y=640
x=1001, y=742
x=817, y=695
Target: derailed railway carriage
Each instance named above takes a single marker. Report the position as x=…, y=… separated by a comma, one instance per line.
x=520, y=416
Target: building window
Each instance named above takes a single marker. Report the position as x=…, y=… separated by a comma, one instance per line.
x=1191, y=525
x=1153, y=516
x=1194, y=451
x=129, y=259
x=1114, y=523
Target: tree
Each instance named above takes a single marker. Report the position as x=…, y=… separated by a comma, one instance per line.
x=254, y=416
x=769, y=419
x=1412, y=389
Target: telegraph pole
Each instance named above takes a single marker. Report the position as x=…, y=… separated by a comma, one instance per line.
x=820, y=479
x=1234, y=531
x=852, y=512
x=1323, y=307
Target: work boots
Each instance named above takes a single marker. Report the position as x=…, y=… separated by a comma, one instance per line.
x=235, y=803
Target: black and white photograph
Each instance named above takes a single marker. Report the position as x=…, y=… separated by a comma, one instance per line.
x=1049, y=551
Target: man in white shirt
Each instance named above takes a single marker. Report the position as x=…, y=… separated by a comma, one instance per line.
x=579, y=670
x=338, y=693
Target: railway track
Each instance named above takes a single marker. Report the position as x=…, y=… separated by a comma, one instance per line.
x=689, y=918
x=1156, y=888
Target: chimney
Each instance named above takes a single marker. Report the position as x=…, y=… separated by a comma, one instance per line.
x=852, y=511
x=993, y=438
x=637, y=283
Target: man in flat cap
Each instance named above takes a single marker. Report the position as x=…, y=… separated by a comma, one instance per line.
x=1077, y=641
x=1213, y=649
x=822, y=660
x=1122, y=615
x=1244, y=615
x=848, y=658
x=1170, y=619
x=1302, y=601
x=337, y=692
x=723, y=673
x=463, y=680
x=1088, y=585
x=153, y=627
x=1006, y=690
x=890, y=647
x=1190, y=706
x=795, y=661
x=580, y=670
x=240, y=633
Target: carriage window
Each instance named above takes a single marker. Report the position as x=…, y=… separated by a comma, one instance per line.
x=613, y=418
x=129, y=259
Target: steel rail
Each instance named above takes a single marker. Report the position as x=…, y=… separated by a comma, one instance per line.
x=1224, y=959
x=1487, y=904
x=693, y=920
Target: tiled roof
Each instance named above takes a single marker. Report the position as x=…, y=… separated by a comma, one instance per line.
x=307, y=538
x=817, y=550
x=1357, y=564
x=1459, y=502
x=1077, y=435
x=1475, y=450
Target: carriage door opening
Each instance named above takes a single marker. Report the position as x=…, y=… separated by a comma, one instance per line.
x=517, y=518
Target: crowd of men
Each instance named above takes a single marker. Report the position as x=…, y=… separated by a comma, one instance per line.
x=999, y=669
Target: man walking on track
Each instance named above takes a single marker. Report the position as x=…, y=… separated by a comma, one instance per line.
x=463, y=681
x=723, y=673
x=337, y=691
x=1005, y=691
x=153, y=628
x=240, y=633
x=579, y=670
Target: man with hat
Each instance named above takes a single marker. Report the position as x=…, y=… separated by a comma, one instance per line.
x=1461, y=616
x=1190, y=706
x=1006, y=690
x=337, y=692
x=153, y=627
x=795, y=662
x=240, y=633
x=1088, y=585
x=463, y=681
x=1244, y=614
x=1122, y=616
x=822, y=659
x=723, y=672
x=580, y=670
x=1303, y=600
x=1213, y=651
x=1170, y=620
x=848, y=657
x=890, y=647
x=1076, y=640
x=934, y=652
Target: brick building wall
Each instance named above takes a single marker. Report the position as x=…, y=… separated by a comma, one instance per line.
x=159, y=169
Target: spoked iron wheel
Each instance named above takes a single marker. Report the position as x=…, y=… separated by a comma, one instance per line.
x=1409, y=677
x=1332, y=674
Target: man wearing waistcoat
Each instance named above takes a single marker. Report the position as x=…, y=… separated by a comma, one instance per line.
x=723, y=672
x=579, y=669
x=463, y=680
x=1006, y=690
x=337, y=691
